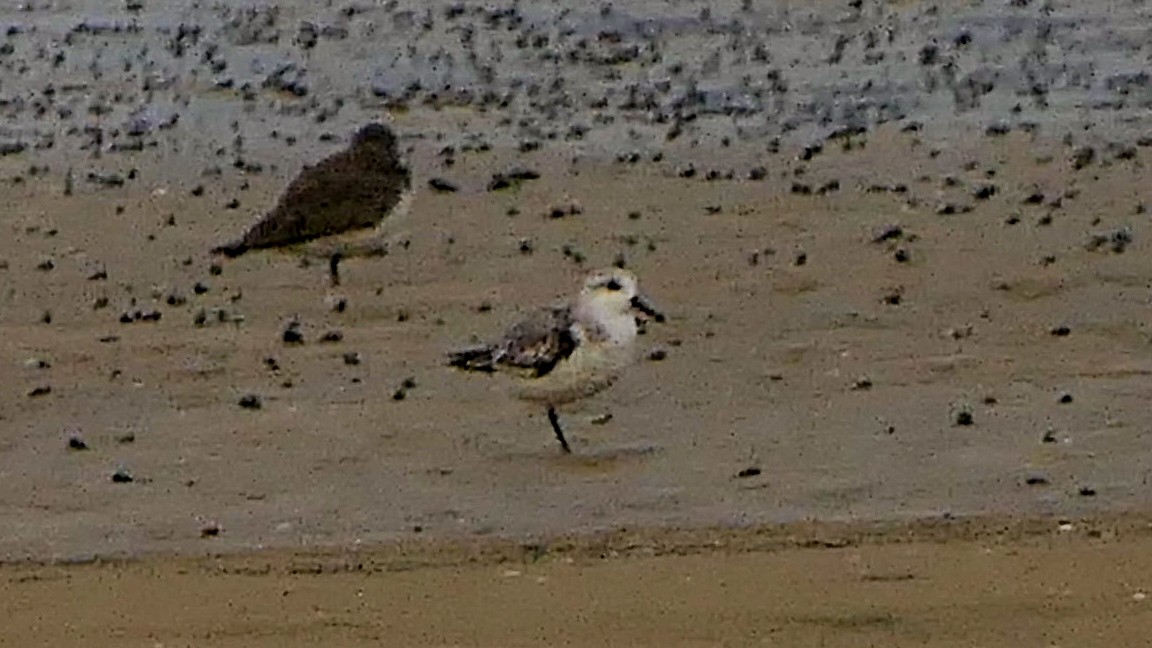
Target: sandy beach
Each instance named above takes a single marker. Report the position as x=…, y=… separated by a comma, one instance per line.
x=902, y=250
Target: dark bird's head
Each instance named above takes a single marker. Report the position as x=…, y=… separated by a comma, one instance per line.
x=376, y=134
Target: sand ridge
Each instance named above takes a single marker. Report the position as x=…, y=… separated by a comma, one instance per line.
x=952, y=583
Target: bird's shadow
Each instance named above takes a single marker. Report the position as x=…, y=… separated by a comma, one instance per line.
x=589, y=460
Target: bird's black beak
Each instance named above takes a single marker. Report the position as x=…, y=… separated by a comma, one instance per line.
x=641, y=304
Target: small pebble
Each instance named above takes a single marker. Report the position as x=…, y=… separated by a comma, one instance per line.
x=888, y=233
x=292, y=334
x=332, y=336
x=443, y=186
x=984, y=192
x=122, y=476
x=1082, y=157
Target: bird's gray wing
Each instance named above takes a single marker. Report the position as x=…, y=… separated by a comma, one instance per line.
x=539, y=342
x=534, y=345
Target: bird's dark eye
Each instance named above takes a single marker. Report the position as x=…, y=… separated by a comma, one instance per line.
x=613, y=285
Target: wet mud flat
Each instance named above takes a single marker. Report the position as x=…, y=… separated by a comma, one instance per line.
x=845, y=343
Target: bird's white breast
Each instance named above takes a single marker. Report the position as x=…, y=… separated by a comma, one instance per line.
x=600, y=356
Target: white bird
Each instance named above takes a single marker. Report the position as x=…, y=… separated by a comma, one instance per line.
x=571, y=351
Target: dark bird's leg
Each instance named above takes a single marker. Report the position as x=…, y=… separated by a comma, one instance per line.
x=554, y=419
x=334, y=267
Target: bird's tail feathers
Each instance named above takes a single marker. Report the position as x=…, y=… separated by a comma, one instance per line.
x=480, y=358
x=231, y=250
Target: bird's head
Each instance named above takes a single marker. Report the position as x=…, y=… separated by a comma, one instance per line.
x=375, y=133
x=616, y=291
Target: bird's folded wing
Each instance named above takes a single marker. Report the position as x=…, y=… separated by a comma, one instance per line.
x=325, y=200
x=539, y=342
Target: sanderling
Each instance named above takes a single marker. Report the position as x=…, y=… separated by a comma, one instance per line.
x=567, y=352
x=336, y=208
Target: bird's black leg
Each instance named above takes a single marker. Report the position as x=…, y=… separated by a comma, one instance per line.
x=554, y=419
x=334, y=267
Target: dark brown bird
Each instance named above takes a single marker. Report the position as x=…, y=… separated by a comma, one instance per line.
x=350, y=192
